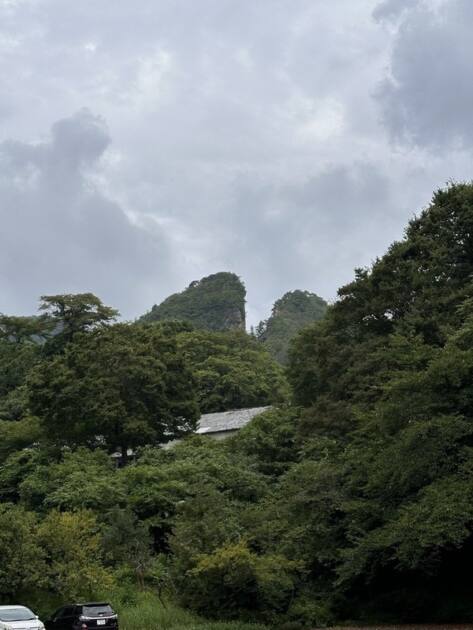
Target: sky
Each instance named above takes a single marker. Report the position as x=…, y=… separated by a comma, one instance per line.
x=145, y=144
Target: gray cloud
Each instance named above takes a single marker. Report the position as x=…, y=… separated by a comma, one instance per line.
x=59, y=232
x=392, y=9
x=240, y=135
x=427, y=100
x=297, y=224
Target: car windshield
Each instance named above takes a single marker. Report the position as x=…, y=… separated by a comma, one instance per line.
x=100, y=610
x=19, y=613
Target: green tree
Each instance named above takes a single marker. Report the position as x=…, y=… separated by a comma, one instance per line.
x=72, y=547
x=80, y=479
x=232, y=371
x=69, y=314
x=23, y=563
x=162, y=484
x=271, y=439
x=387, y=375
x=14, y=469
x=18, y=435
x=119, y=386
x=234, y=582
x=414, y=290
x=16, y=361
x=127, y=542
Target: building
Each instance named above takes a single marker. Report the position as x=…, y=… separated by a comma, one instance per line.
x=218, y=426
x=226, y=423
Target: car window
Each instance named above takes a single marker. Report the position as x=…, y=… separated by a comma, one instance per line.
x=100, y=610
x=16, y=613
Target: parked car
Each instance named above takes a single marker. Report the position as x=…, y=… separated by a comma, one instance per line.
x=19, y=617
x=83, y=616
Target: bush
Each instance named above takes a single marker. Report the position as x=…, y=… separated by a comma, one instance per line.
x=233, y=582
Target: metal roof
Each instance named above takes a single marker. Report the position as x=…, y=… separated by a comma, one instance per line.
x=227, y=420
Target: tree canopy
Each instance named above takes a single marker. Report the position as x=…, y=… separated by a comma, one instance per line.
x=120, y=386
x=232, y=371
x=387, y=374
x=69, y=314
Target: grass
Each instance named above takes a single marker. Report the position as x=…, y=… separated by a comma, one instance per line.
x=139, y=611
x=148, y=613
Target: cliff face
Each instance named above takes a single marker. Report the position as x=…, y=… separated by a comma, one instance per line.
x=290, y=313
x=216, y=302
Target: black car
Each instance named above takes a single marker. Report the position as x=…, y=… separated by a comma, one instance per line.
x=83, y=616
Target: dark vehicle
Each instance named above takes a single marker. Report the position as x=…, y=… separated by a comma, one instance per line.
x=83, y=616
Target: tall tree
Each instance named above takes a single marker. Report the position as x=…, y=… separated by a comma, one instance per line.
x=232, y=370
x=120, y=386
x=75, y=313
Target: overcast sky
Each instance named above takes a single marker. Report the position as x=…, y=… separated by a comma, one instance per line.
x=147, y=143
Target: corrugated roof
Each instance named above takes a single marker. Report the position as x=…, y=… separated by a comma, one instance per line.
x=227, y=420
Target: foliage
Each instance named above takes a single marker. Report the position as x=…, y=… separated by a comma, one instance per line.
x=353, y=502
x=22, y=330
x=271, y=439
x=18, y=435
x=71, y=545
x=163, y=485
x=14, y=469
x=81, y=479
x=215, y=303
x=289, y=315
x=393, y=360
x=234, y=582
x=232, y=371
x=61, y=553
x=119, y=386
x=22, y=565
x=69, y=314
x=16, y=360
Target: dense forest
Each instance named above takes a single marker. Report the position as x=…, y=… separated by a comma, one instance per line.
x=350, y=500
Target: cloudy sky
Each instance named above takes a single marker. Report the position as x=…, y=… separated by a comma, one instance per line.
x=147, y=143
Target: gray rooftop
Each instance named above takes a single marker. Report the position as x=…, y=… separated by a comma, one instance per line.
x=227, y=420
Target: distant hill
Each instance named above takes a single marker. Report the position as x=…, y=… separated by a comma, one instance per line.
x=290, y=313
x=216, y=303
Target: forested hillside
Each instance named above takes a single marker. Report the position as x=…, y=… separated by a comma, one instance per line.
x=215, y=303
x=350, y=500
x=290, y=314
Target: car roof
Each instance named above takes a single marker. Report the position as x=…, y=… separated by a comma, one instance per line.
x=12, y=606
